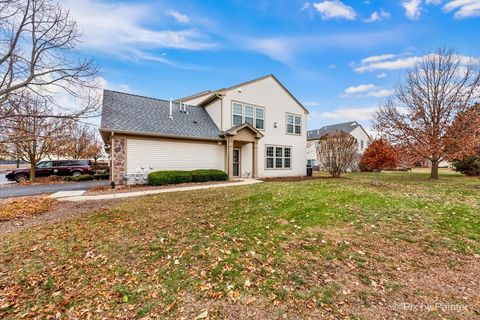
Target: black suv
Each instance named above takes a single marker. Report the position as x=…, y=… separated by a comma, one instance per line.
x=53, y=167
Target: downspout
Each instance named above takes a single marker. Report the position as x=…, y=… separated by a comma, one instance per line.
x=221, y=111
x=112, y=156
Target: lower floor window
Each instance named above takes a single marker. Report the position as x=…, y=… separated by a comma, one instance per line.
x=278, y=157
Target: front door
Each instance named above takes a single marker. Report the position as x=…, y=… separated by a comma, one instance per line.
x=236, y=162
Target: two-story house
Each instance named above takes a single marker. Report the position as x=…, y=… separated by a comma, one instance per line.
x=253, y=129
x=352, y=127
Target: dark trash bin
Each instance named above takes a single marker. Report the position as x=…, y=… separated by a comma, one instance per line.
x=309, y=171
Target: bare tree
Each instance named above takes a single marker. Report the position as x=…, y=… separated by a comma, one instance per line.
x=336, y=152
x=425, y=104
x=38, y=53
x=32, y=139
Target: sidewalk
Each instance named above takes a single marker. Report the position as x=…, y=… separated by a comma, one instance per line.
x=120, y=195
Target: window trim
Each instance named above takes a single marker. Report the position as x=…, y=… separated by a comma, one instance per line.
x=243, y=104
x=274, y=146
x=294, y=125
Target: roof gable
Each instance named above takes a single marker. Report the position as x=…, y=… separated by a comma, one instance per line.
x=244, y=126
x=347, y=127
x=210, y=96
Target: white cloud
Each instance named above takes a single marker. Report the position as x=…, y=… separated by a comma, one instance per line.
x=378, y=58
x=181, y=18
x=463, y=8
x=359, y=89
x=381, y=75
x=286, y=49
x=335, y=9
x=310, y=103
x=120, y=29
x=305, y=6
x=280, y=49
x=434, y=1
x=397, y=62
x=350, y=113
x=378, y=16
x=366, y=90
x=393, y=64
x=413, y=8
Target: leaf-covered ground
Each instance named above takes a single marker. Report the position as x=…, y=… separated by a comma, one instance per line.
x=24, y=207
x=360, y=247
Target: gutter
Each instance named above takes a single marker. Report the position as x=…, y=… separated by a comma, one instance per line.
x=159, y=135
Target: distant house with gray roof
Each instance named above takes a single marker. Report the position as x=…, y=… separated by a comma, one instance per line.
x=351, y=127
x=253, y=129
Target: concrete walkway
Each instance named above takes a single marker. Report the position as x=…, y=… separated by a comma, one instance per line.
x=148, y=192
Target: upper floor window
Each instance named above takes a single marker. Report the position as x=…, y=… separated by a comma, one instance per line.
x=244, y=113
x=294, y=124
x=361, y=144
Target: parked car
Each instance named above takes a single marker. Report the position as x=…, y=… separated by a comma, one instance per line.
x=53, y=167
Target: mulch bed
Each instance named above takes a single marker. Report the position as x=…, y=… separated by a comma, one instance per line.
x=298, y=178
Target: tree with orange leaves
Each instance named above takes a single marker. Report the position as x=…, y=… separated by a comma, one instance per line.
x=464, y=135
x=380, y=155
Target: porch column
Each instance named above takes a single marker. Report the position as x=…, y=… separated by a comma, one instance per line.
x=255, y=159
x=230, y=157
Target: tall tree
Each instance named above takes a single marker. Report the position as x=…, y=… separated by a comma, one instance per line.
x=336, y=152
x=424, y=105
x=32, y=139
x=38, y=53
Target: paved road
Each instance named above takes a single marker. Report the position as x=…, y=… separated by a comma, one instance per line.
x=7, y=191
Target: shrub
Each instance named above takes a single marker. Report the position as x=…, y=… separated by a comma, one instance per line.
x=87, y=177
x=470, y=166
x=380, y=155
x=101, y=176
x=204, y=175
x=336, y=152
x=160, y=178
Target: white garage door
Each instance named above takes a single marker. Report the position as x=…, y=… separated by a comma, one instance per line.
x=173, y=155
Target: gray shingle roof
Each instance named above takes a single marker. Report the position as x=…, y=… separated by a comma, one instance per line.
x=345, y=127
x=137, y=114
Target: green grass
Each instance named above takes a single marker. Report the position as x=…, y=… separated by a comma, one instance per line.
x=300, y=245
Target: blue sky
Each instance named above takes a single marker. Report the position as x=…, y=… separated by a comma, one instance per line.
x=340, y=58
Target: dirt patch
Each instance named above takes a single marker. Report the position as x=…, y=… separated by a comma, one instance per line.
x=132, y=188
x=57, y=213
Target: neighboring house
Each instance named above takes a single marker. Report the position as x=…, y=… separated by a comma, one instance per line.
x=253, y=129
x=355, y=129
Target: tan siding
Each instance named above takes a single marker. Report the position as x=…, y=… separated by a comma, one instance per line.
x=214, y=110
x=171, y=154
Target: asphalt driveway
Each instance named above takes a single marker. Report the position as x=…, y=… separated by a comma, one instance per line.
x=10, y=190
x=4, y=181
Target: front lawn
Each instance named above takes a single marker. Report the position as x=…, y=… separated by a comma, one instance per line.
x=360, y=247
